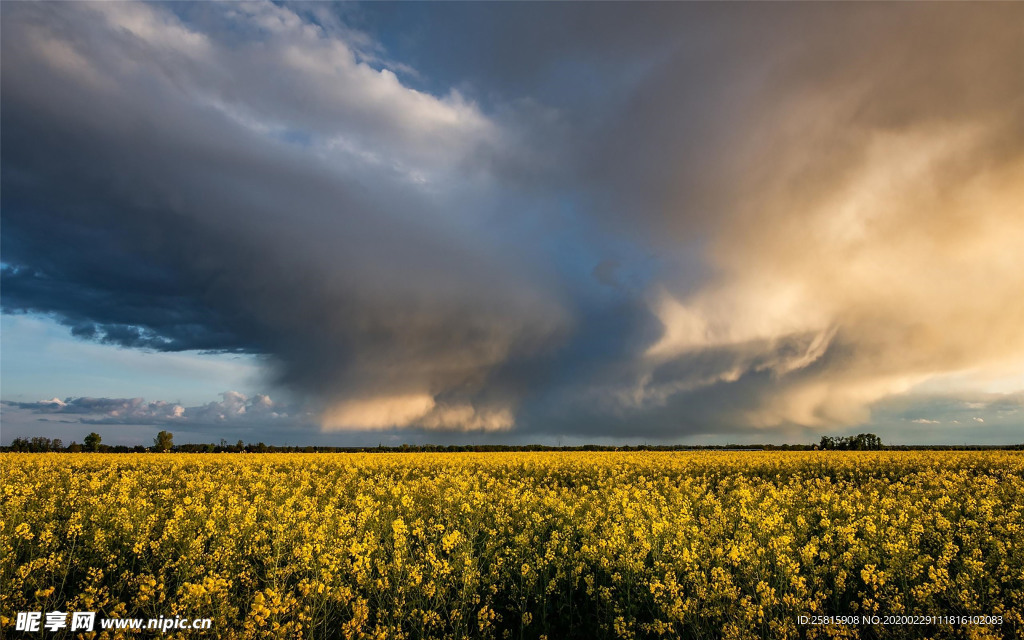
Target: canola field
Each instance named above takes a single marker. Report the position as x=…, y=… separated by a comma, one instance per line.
x=519, y=545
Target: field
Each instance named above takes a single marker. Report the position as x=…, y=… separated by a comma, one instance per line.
x=518, y=545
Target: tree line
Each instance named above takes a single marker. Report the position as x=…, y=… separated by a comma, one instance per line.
x=93, y=443
x=164, y=442
x=859, y=442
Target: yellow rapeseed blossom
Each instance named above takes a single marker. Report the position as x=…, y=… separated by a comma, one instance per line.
x=518, y=545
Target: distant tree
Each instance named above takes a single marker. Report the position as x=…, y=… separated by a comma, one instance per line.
x=92, y=442
x=74, y=447
x=163, y=441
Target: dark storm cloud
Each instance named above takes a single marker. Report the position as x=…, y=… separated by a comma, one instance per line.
x=156, y=213
x=608, y=219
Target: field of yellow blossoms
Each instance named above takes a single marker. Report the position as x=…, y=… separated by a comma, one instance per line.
x=517, y=545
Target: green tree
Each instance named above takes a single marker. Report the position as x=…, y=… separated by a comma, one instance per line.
x=163, y=441
x=92, y=442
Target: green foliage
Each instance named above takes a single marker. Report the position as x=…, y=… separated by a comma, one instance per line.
x=164, y=441
x=92, y=442
x=859, y=442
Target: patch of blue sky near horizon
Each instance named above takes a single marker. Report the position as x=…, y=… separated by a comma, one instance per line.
x=21, y=423
x=17, y=422
x=953, y=411
x=974, y=406
x=40, y=360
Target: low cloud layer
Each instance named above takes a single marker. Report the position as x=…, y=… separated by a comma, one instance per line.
x=598, y=220
x=234, y=407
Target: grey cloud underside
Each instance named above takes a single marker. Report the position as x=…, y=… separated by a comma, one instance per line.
x=233, y=410
x=210, y=183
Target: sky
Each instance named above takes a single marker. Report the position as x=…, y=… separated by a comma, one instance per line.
x=566, y=223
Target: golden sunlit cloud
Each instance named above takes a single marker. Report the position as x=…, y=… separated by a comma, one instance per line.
x=909, y=267
x=380, y=412
x=414, y=409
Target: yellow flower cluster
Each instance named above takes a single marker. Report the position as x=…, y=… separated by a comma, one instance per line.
x=518, y=545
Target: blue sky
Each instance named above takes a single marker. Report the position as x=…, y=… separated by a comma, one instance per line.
x=39, y=354
x=499, y=222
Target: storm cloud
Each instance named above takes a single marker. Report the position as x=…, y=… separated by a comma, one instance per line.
x=605, y=220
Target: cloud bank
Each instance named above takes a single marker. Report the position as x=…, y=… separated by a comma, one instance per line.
x=609, y=221
x=233, y=407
